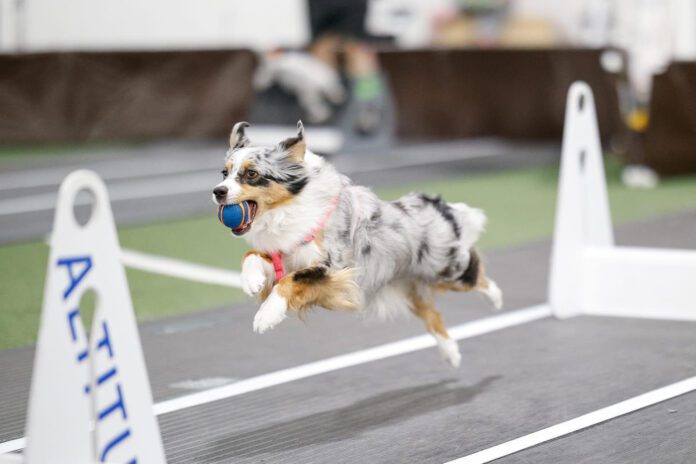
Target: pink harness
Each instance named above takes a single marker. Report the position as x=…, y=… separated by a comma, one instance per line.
x=277, y=256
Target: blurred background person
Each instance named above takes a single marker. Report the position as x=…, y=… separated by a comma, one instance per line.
x=337, y=67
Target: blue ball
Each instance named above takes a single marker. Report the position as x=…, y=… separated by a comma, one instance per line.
x=236, y=216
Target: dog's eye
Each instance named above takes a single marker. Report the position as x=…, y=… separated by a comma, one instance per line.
x=251, y=174
x=224, y=173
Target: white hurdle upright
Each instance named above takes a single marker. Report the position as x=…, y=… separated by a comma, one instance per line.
x=90, y=398
x=589, y=273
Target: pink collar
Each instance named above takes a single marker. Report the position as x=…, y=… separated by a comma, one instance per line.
x=277, y=256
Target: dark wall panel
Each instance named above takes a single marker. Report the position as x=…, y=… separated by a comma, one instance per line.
x=123, y=95
x=504, y=92
x=670, y=141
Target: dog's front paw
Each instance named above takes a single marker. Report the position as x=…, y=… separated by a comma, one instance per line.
x=253, y=276
x=271, y=313
x=449, y=349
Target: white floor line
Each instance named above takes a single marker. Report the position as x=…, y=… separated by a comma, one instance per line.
x=181, y=269
x=588, y=420
x=467, y=330
x=111, y=170
x=13, y=445
x=397, y=163
x=409, y=345
x=121, y=191
x=188, y=183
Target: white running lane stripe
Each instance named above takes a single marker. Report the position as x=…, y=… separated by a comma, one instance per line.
x=582, y=422
x=466, y=330
x=196, y=182
x=180, y=269
x=13, y=445
x=388, y=350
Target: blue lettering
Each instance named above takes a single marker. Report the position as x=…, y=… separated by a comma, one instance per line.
x=82, y=356
x=72, y=315
x=69, y=263
x=106, y=376
x=106, y=341
x=117, y=405
x=113, y=443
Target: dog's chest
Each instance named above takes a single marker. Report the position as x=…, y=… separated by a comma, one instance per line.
x=302, y=257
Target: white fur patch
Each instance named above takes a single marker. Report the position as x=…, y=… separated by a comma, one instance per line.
x=389, y=303
x=271, y=313
x=449, y=349
x=256, y=273
x=234, y=190
x=473, y=221
x=493, y=294
x=304, y=256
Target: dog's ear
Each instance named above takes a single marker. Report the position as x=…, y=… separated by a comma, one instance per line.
x=238, y=138
x=295, y=145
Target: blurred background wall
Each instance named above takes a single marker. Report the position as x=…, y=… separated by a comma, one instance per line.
x=45, y=25
x=79, y=70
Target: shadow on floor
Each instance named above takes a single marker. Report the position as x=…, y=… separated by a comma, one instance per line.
x=340, y=424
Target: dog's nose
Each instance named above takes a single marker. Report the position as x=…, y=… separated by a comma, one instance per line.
x=220, y=191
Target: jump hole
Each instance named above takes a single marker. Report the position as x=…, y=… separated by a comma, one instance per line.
x=581, y=102
x=83, y=206
x=582, y=157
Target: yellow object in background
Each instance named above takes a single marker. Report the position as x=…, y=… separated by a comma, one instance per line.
x=637, y=120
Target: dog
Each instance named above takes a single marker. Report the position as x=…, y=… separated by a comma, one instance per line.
x=319, y=240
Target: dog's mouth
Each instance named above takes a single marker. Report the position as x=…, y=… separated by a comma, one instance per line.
x=239, y=231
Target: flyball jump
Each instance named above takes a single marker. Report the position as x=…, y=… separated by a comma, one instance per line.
x=90, y=399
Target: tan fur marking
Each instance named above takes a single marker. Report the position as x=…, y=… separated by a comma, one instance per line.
x=265, y=292
x=319, y=240
x=260, y=254
x=297, y=151
x=268, y=197
x=458, y=286
x=337, y=291
x=425, y=310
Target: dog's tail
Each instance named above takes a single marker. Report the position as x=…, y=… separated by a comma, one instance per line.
x=473, y=221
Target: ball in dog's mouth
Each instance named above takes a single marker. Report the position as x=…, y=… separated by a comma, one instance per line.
x=252, y=215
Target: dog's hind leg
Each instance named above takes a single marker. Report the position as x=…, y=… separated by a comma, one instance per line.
x=300, y=290
x=475, y=278
x=492, y=292
x=422, y=306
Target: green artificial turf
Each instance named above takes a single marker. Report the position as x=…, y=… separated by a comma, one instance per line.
x=519, y=204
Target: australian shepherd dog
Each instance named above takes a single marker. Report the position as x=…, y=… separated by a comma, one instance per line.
x=319, y=240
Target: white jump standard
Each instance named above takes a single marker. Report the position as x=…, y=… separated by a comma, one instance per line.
x=90, y=398
x=589, y=274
